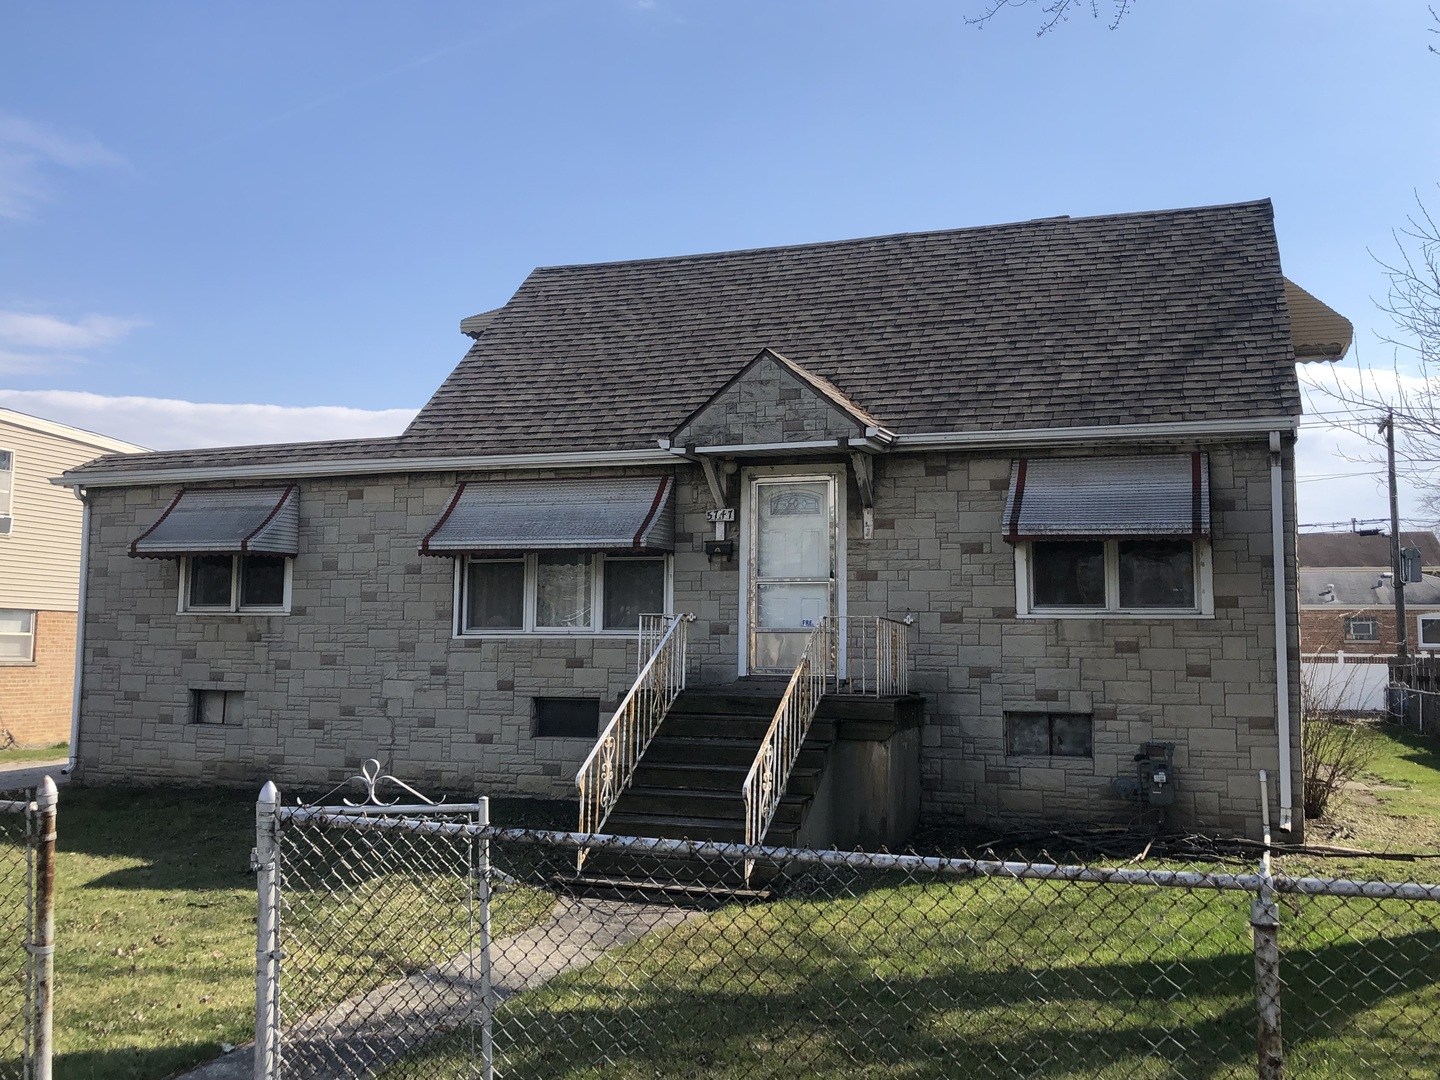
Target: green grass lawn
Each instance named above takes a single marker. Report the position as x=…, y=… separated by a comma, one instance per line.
x=155, y=924
x=15, y=755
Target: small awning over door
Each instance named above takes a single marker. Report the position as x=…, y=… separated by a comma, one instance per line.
x=612, y=513
x=1079, y=498
x=233, y=521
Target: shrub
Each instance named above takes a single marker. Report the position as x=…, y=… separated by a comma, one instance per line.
x=1335, y=746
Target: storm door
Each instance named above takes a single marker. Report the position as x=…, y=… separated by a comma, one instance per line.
x=792, y=559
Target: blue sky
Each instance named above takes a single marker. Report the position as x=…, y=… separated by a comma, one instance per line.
x=289, y=206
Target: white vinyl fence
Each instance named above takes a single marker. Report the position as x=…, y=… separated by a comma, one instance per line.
x=1349, y=683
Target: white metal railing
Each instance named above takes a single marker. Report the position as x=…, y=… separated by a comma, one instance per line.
x=876, y=653
x=765, y=783
x=608, y=770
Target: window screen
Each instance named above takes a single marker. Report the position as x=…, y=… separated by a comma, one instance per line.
x=262, y=581
x=1069, y=573
x=210, y=580
x=632, y=586
x=495, y=596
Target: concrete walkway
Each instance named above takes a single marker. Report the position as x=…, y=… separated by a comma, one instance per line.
x=367, y=1032
x=22, y=775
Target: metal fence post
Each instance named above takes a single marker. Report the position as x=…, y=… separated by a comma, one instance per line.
x=42, y=945
x=1265, y=929
x=267, y=956
x=482, y=888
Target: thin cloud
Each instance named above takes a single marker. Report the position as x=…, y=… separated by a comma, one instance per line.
x=27, y=149
x=29, y=331
x=172, y=424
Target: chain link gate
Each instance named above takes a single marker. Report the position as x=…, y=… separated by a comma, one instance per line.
x=27, y=932
x=372, y=935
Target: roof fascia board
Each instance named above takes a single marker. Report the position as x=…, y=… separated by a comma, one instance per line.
x=939, y=440
x=79, y=436
x=364, y=467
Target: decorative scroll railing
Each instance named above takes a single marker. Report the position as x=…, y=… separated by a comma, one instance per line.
x=779, y=750
x=608, y=770
x=875, y=655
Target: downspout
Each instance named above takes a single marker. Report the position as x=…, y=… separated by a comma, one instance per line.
x=80, y=627
x=1282, y=633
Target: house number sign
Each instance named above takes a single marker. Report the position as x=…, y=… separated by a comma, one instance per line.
x=727, y=514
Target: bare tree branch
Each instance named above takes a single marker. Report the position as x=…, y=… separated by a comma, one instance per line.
x=1055, y=11
x=1411, y=390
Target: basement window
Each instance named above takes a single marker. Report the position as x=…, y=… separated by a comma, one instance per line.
x=1362, y=629
x=566, y=718
x=217, y=707
x=1036, y=734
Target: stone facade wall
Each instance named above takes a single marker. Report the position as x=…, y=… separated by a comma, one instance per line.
x=35, y=698
x=767, y=404
x=366, y=664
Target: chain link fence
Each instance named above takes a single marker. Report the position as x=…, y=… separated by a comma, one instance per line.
x=27, y=929
x=424, y=944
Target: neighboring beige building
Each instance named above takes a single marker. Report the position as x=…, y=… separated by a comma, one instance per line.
x=40, y=526
x=1060, y=453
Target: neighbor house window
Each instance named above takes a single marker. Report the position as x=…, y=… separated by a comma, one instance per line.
x=1142, y=576
x=7, y=491
x=1366, y=628
x=1036, y=734
x=17, y=636
x=559, y=592
x=1427, y=631
x=235, y=583
x=217, y=706
x=566, y=718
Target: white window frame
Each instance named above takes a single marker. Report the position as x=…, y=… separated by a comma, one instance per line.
x=30, y=659
x=1420, y=621
x=7, y=494
x=1204, y=588
x=234, y=607
x=1372, y=620
x=531, y=560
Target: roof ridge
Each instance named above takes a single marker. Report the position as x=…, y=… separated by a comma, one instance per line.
x=917, y=234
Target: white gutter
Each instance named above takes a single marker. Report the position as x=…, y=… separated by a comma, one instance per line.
x=663, y=454
x=1058, y=436
x=365, y=466
x=80, y=626
x=1282, y=633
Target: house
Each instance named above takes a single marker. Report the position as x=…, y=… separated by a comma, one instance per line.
x=40, y=530
x=1059, y=453
x=1347, y=595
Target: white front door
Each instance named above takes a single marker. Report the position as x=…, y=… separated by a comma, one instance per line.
x=793, y=553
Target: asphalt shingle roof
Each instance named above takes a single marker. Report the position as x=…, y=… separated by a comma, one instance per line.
x=1355, y=549
x=1165, y=316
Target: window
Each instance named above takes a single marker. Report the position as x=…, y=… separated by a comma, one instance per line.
x=1362, y=628
x=1036, y=734
x=17, y=636
x=230, y=583
x=1427, y=627
x=7, y=491
x=1142, y=576
x=559, y=592
x=217, y=707
x=567, y=718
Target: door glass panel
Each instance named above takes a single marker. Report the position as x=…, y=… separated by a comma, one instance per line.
x=791, y=607
x=793, y=530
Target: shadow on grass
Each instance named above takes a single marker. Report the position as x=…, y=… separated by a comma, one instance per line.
x=200, y=838
x=131, y=1063
x=825, y=1015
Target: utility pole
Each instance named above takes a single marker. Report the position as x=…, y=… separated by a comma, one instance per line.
x=1402, y=648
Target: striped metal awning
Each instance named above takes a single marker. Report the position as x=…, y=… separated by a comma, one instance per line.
x=613, y=513
x=231, y=521
x=1086, y=498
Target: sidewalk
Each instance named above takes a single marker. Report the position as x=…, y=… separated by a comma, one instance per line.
x=27, y=774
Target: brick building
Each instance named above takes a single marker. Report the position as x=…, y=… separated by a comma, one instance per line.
x=1347, y=595
x=1062, y=449
x=40, y=528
